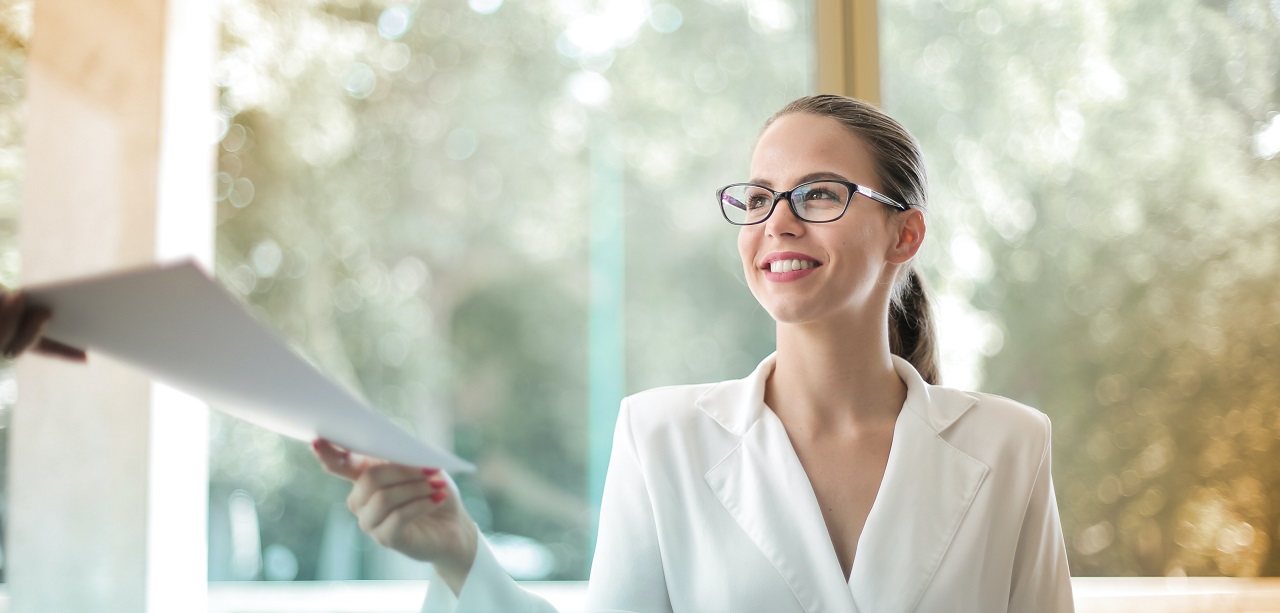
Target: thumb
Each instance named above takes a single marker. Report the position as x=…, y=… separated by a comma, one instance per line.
x=338, y=461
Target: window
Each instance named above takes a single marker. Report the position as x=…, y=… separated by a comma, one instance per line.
x=468, y=211
x=493, y=220
x=1106, y=187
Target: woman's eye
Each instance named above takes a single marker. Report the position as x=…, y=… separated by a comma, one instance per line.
x=819, y=194
x=757, y=202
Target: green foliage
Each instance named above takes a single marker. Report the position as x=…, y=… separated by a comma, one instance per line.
x=405, y=190
x=1106, y=156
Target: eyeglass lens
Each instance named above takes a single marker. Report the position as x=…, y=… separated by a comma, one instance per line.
x=818, y=201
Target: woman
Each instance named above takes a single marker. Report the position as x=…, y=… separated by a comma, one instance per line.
x=837, y=476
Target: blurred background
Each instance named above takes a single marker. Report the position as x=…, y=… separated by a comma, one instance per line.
x=493, y=219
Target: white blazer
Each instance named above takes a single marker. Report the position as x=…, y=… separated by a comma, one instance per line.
x=707, y=509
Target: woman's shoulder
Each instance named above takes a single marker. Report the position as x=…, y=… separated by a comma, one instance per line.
x=994, y=424
x=666, y=402
x=668, y=417
x=1009, y=413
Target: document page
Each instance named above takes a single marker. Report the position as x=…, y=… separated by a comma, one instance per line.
x=180, y=327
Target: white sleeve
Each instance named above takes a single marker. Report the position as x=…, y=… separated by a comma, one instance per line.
x=487, y=589
x=627, y=571
x=1041, y=577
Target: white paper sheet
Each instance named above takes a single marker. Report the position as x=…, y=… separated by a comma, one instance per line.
x=174, y=323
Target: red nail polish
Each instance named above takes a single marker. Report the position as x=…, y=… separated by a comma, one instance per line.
x=438, y=496
x=436, y=483
x=315, y=444
x=430, y=471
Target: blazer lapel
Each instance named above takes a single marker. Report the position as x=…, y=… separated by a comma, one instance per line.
x=764, y=488
x=928, y=487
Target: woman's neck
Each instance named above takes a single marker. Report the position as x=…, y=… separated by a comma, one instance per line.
x=835, y=377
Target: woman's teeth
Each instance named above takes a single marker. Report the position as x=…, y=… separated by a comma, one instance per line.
x=790, y=265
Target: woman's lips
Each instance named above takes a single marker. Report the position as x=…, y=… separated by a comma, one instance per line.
x=787, y=277
x=787, y=266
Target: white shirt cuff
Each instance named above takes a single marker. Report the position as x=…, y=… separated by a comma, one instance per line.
x=487, y=589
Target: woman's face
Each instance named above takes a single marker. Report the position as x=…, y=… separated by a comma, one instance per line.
x=854, y=259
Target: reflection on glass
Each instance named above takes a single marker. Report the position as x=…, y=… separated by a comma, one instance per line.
x=1106, y=193
x=492, y=219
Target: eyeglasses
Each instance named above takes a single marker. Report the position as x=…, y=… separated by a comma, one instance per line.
x=745, y=204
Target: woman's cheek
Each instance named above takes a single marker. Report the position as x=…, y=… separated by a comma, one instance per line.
x=746, y=253
x=746, y=250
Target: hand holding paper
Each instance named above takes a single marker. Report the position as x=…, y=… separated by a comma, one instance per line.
x=411, y=514
x=22, y=328
x=177, y=325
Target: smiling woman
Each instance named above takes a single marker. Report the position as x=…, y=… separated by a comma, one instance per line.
x=894, y=159
x=834, y=475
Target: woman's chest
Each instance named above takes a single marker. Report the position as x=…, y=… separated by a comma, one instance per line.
x=747, y=530
x=845, y=476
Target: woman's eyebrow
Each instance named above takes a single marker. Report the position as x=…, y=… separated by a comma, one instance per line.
x=818, y=176
x=813, y=176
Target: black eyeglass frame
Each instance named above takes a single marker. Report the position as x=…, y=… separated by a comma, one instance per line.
x=854, y=188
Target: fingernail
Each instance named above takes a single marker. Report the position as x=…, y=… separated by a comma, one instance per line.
x=430, y=471
x=436, y=483
x=315, y=444
x=438, y=496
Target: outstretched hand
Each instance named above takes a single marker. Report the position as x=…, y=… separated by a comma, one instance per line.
x=412, y=510
x=22, y=329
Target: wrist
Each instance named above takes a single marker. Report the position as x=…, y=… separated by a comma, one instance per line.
x=454, y=567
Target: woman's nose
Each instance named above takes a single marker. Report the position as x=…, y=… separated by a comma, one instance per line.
x=783, y=221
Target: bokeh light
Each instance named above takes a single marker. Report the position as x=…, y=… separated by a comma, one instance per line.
x=1105, y=195
x=406, y=191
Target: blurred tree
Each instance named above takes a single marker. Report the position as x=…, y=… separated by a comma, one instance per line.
x=1105, y=189
x=1106, y=182
x=404, y=189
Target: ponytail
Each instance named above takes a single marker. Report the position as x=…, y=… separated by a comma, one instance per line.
x=911, y=330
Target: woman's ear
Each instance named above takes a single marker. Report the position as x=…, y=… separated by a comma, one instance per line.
x=910, y=235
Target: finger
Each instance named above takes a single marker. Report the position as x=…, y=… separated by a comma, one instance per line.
x=382, y=476
x=336, y=460
x=386, y=500
x=48, y=346
x=30, y=328
x=10, y=315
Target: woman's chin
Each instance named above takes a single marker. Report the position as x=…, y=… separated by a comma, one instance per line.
x=793, y=311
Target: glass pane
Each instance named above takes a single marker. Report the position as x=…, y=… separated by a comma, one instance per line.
x=470, y=213
x=1106, y=192
x=15, y=31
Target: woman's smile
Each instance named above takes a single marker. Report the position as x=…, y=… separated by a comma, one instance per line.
x=787, y=266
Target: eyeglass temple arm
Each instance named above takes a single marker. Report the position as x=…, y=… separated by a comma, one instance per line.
x=879, y=197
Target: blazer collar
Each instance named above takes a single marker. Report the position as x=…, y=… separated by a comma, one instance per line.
x=738, y=403
x=927, y=489
x=937, y=406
